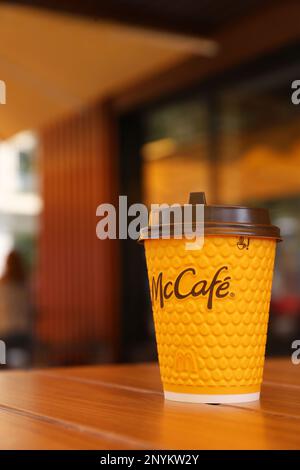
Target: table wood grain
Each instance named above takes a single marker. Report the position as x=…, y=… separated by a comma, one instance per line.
x=122, y=407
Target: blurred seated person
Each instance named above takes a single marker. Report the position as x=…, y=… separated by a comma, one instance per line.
x=15, y=325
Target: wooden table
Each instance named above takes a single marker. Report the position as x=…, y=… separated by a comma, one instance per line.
x=122, y=407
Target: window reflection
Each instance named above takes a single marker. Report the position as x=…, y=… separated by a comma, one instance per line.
x=20, y=207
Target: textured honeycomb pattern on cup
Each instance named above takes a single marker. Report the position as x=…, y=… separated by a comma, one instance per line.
x=224, y=346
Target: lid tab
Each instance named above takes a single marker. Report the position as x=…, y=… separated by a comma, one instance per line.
x=197, y=198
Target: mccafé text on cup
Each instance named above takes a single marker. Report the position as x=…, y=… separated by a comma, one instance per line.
x=211, y=304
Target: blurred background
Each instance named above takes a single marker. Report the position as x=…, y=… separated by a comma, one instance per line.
x=151, y=99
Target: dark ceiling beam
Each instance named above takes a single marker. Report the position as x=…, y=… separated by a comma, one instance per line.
x=187, y=17
x=255, y=35
x=119, y=11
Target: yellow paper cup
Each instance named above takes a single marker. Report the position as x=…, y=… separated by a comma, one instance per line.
x=211, y=309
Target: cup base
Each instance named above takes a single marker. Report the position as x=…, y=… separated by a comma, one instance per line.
x=213, y=399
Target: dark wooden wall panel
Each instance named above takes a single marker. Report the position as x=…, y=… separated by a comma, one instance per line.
x=77, y=274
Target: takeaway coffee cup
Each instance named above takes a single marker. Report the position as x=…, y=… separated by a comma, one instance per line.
x=211, y=305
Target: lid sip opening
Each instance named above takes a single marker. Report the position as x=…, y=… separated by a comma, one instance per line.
x=223, y=220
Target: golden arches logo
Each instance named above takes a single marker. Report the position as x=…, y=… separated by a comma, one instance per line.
x=185, y=362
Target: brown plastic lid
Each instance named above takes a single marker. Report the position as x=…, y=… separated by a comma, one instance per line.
x=218, y=220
